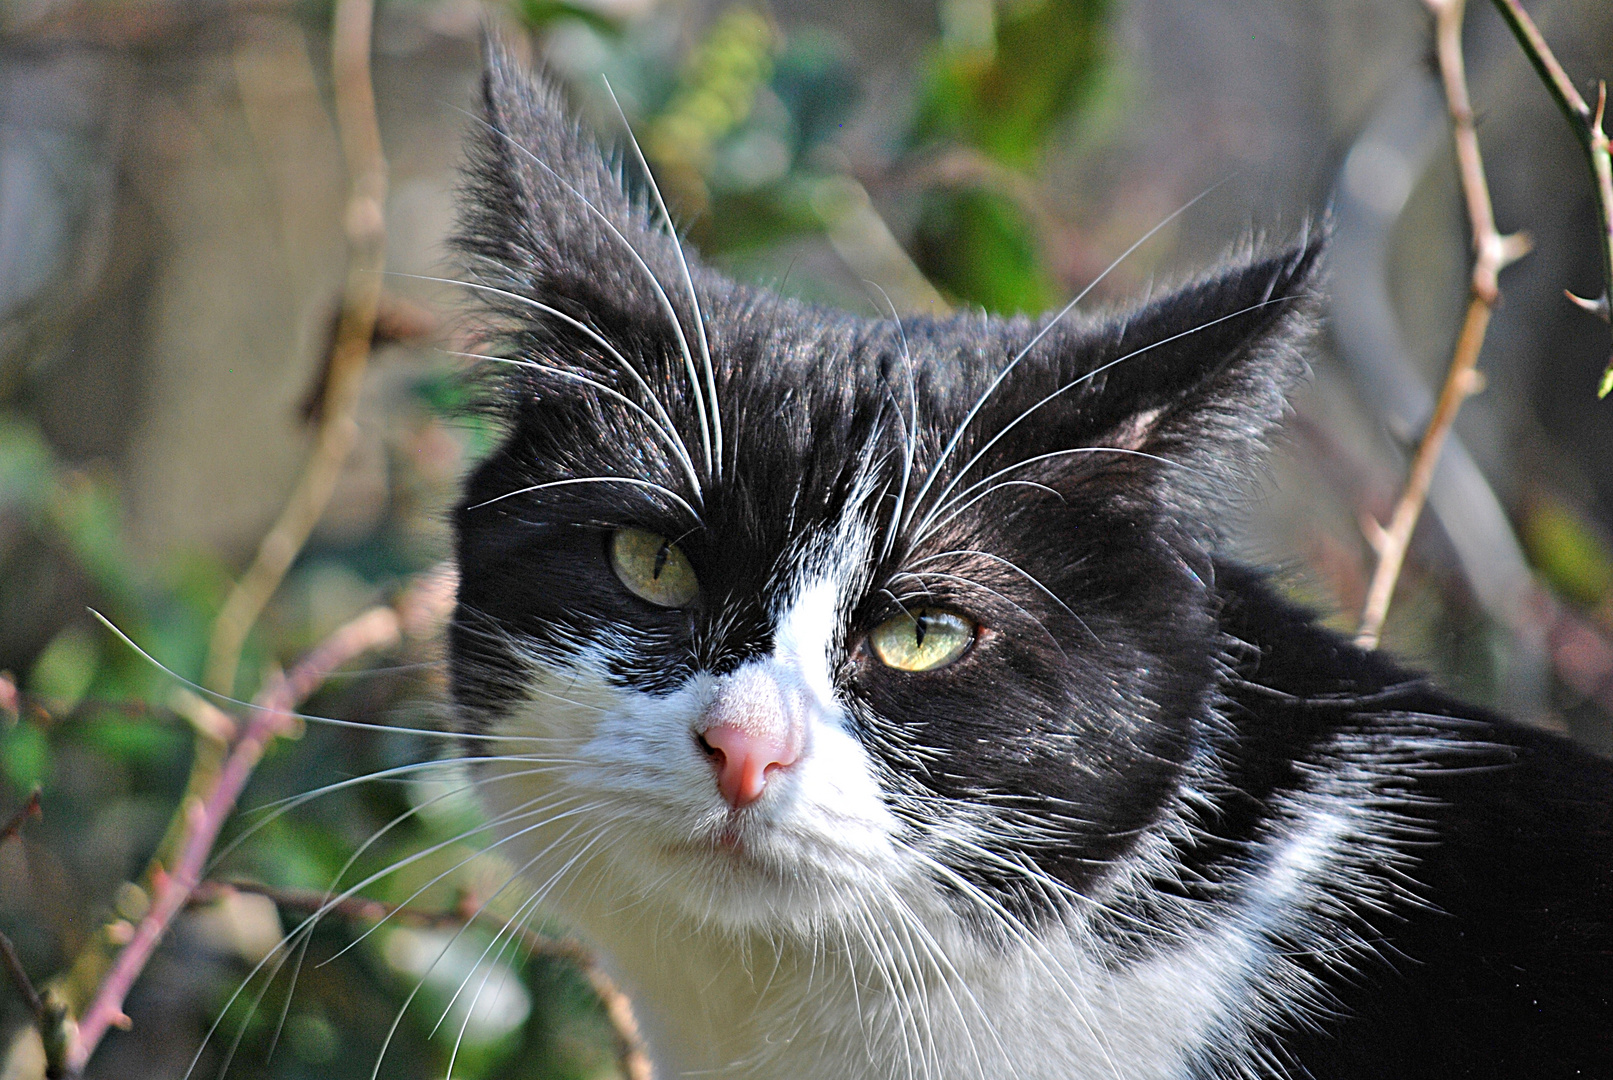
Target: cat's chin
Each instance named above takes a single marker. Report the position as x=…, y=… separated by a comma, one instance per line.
x=743, y=876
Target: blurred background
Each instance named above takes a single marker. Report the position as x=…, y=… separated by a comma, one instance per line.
x=172, y=262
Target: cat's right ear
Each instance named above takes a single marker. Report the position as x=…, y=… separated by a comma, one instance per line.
x=545, y=218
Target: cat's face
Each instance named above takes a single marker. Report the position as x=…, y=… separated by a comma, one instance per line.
x=787, y=613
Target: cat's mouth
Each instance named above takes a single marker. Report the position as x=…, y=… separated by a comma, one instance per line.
x=731, y=840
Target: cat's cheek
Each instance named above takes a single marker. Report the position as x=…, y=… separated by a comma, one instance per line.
x=829, y=813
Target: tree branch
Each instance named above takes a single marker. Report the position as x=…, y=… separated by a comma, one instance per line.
x=635, y=1058
x=30, y=809
x=1493, y=252
x=1587, y=125
x=204, y=815
x=365, y=225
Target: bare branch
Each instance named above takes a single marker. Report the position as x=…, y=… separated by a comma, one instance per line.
x=365, y=225
x=51, y=1017
x=635, y=1059
x=19, y=977
x=1587, y=125
x=1493, y=252
x=204, y=815
x=30, y=809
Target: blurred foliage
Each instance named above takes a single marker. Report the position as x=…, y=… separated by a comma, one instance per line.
x=746, y=129
x=1569, y=551
x=744, y=126
x=1000, y=81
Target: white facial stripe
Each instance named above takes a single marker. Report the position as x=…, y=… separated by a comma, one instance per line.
x=828, y=582
x=805, y=637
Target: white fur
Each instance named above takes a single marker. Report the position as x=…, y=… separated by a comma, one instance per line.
x=820, y=946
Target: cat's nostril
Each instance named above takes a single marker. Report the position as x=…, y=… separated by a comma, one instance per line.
x=718, y=757
x=746, y=759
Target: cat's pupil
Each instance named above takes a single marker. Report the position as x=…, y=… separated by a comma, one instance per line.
x=919, y=626
x=662, y=553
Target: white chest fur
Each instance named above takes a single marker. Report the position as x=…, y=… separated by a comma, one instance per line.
x=830, y=952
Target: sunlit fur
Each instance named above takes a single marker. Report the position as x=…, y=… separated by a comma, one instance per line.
x=1154, y=823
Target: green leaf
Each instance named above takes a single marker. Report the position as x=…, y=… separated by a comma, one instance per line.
x=25, y=756
x=977, y=246
x=65, y=668
x=1003, y=95
x=1568, y=552
x=541, y=14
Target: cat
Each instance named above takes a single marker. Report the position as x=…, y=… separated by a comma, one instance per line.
x=875, y=694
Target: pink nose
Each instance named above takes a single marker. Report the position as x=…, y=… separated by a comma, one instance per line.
x=745, y=759
x=752, y=728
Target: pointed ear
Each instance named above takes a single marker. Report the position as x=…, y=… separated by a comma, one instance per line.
x=543, y=214
x=1197, y=377
x=1211, y=362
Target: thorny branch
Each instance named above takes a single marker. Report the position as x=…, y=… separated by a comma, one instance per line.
x=49, y=1011
x=635, y=1059
x=365, y=225
x=1593, y=139
x=1493, y=252
x=205, y=814
x=8, y=955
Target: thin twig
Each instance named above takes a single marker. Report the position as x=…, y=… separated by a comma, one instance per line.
x=30, y=809
x=1494, y=252
x=206, y=813
x=57, y=1031
x=19, y=977
x=1587, y=124
x=365, y=225
x=635, y=1059
x=13, y=964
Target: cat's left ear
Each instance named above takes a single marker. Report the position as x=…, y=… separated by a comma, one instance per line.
x=1188, y=386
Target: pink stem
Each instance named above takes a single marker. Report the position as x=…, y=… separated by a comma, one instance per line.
x=204, y=817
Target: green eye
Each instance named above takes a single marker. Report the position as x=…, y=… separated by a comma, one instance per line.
x=922, y=640
x=652, y=568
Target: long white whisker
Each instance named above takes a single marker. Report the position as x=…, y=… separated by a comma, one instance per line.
x=666, y=424
x=910, y=429
x=688, y=279
x=655, y=283
x=668, y=437
x=356, y=725
x=928, y=528
x=530, y=907
x=1099, y=370
x=685, y=459
x=630, y=480
x=398, y=1019
x=463, y=862
x=975, y=584
x=273, y=811
x=1059, y=978
x=939, y=956
x=957, y=436
x=1026, y=574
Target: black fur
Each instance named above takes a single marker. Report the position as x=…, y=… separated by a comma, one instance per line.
x=1121, y=661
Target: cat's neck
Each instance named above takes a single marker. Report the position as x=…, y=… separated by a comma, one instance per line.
x=905, y=991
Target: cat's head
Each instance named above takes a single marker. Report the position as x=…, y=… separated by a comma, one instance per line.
x=782, y=609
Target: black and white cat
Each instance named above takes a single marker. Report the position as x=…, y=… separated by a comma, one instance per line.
x=873, y=694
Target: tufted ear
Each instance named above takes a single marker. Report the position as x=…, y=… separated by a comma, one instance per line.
x=1211, y=361
x=1169, y=403
x=546, y=216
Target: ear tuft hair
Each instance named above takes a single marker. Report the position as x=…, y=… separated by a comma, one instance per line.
x=1187, y=387
x=543, y=214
